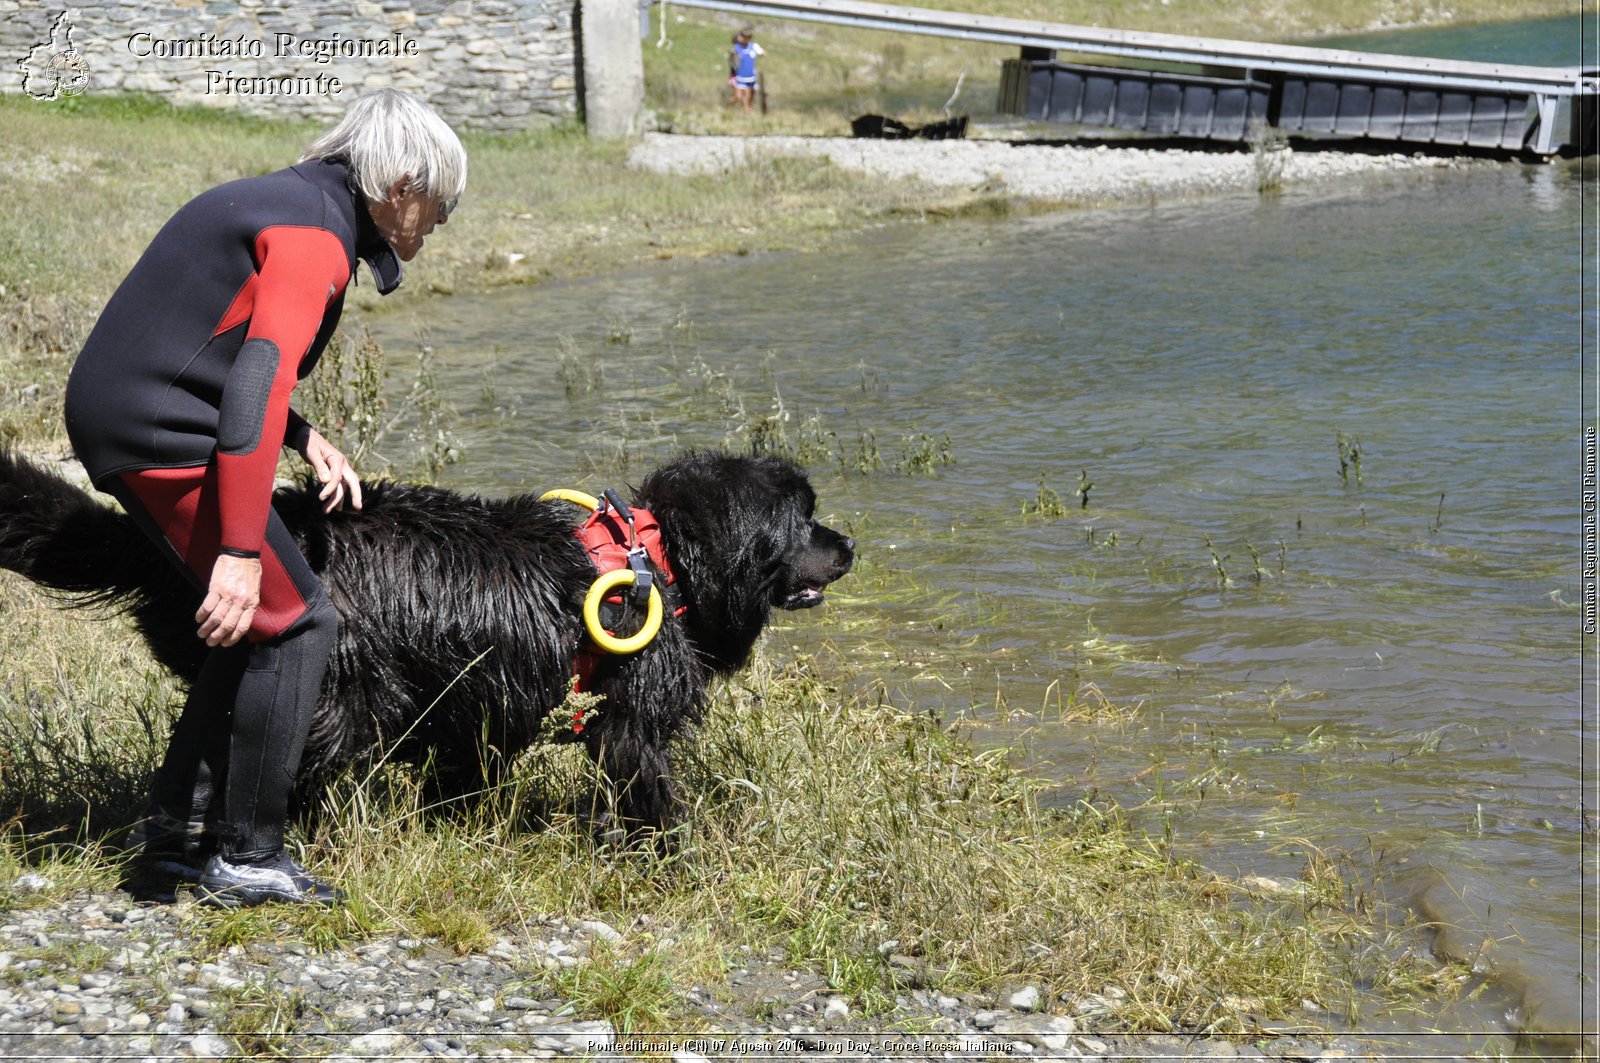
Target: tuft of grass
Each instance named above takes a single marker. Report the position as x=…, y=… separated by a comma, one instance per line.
x=261, y=1020
x=344, y=397
x=633, y=993
x=84, y=718
x=1046, y=503
x=41, y=869
x=231, y=928
x=1350, y=454
x=1269, y=154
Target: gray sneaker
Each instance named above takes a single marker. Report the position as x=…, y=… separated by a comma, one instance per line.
x=278, y=878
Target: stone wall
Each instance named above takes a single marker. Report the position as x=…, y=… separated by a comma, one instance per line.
x=497, y=64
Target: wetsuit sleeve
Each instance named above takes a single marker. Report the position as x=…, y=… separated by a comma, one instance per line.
x=297, y=432
x=299, y=270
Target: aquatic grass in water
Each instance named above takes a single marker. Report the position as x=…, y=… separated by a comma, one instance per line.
x=345, y=399
x=1350, y=454
x=759, y=423
x=1046, y=503
x=924, y=453
x=1270, y=154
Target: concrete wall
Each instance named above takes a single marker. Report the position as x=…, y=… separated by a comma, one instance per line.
x=497, y=64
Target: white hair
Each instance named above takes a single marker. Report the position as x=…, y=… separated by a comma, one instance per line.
x=389, y=134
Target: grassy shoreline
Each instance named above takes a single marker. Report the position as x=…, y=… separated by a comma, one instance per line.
x=824, y=824
x=104, y=175
x=827, y=822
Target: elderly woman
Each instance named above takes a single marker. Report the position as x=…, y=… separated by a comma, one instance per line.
x=178, y=406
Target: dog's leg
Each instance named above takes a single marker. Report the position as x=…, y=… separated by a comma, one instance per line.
x=650, y=698
x=457, y=788
x=638, y=766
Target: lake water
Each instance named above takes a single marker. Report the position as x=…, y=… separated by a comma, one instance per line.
x=1324, y=595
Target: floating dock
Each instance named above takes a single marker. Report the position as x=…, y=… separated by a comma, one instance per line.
x=1221, y=89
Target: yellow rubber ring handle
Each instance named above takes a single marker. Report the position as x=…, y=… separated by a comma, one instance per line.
x=564, y=494
x=622, y=577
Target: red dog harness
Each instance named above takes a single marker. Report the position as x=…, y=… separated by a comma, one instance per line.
x=618, y=538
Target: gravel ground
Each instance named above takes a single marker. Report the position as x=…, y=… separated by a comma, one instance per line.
x=1062, y=173
x=103, y=976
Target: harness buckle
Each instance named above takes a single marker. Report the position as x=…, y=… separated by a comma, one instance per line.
x=639, y=563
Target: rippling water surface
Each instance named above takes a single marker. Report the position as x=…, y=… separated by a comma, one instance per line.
x=1382, y=660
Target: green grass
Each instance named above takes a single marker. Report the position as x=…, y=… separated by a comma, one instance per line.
x=824, y=824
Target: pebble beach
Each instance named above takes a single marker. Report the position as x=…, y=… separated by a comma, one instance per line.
x=1061, y=173
x=100, y=976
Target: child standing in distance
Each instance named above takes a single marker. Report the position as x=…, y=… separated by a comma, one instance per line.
x=742, y=67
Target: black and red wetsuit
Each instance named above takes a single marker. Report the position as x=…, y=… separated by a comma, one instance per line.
x=178, y=406
x=181, y=394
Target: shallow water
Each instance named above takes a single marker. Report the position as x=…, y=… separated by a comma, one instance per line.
x=1383, y=661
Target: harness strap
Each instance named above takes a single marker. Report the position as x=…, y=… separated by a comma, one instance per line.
x=616, y=537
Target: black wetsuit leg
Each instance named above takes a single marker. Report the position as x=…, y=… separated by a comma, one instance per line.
x=236, y=747
x=271, y=717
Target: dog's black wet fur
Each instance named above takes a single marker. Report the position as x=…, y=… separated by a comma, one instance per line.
x=460, y=616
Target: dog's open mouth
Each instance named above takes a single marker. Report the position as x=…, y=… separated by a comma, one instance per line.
x=806, y=597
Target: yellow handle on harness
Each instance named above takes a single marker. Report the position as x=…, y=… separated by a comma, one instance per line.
x=603, y=586
x=577, y=498
x=621, y=577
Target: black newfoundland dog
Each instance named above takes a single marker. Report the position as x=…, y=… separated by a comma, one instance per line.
x=460, y=618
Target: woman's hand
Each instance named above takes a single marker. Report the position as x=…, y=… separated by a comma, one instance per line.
x=231, y=601
x=339, y=479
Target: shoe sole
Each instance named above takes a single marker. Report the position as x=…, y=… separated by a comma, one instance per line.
x=173, y=869
x=233, y=897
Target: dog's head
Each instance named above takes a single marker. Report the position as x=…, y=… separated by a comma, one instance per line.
x=743, y=539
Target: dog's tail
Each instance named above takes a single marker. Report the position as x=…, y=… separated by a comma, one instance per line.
x=58, y=536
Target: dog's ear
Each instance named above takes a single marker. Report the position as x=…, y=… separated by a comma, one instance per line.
x=694, y=488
